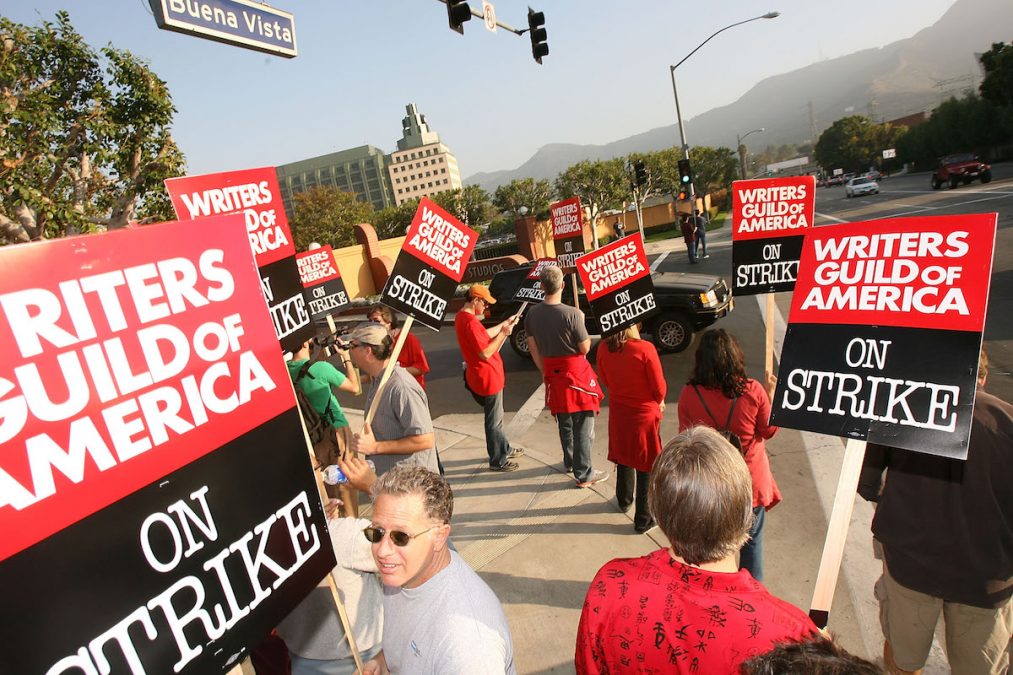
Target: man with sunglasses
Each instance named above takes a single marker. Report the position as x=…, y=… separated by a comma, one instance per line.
x=484, y=371
x=439, y=615
x=402, y=428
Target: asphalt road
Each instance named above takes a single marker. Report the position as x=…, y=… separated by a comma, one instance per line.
x=900, y=196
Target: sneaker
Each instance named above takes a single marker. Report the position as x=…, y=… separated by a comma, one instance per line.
x=705, y=255
x=507, y=466
x=516, y=452
x=597, y=476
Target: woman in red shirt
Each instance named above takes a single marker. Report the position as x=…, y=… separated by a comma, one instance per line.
x=411, y=358
x=629, y=368
x=719, y=395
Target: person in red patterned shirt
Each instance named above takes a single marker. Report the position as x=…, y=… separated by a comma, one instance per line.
x=411, y=358
x=688, y=609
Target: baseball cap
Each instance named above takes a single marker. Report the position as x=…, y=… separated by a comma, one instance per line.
x=368, y=333
x=480, y=291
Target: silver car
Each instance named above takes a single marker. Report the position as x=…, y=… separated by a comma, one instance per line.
x=863, y=185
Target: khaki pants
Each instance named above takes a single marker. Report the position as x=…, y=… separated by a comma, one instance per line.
x=977, y=639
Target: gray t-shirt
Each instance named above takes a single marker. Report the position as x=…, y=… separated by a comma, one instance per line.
x=557, y=329
x=452, y=623
x=403, y=410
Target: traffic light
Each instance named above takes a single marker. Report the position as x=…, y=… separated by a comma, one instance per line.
x=683, y=195
x=458, y=12
x=539, y=47
x=640, y=171
x=685, y=173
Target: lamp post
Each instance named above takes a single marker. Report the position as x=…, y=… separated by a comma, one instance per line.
x=675, y=92
x=741, y=150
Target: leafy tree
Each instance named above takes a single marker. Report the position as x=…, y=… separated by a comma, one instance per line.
x=854, y=143
x=600, y=185
x=957, y=125
x=393, y=221
x=469, y=204
x=714, y=169
x=327, y=215
x=997, y=86
x=519, y=193
x=84, y=136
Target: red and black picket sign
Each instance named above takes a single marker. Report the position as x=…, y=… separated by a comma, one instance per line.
x=885, y=330
x=530, y=289
x=567, y=219
x=157, y=515
x=617, y=280
x=769, y=220
x=430, y=266
x=254, y=193
x=322, y=284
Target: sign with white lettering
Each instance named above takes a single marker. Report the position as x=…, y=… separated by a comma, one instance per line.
x=255, y=194
x=431, y=264
x=618, y=284
x=885, y=329
x=530, y=289
x=321, y=281
x=148, y=479
x=567, y=230
x=770, y=217
x=252, y=25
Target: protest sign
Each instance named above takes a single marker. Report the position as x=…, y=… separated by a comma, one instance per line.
x=769, y=220
x=321, y=281
x=885, y=329
x=530, y=289
x=157, y=516
x=255, y=194
x=567, y=230
x=431, y=264
x=618, y=284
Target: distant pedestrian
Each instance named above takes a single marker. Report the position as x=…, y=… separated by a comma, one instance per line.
x=700, y=230
x=687, y=608
x=631, y=371
x=689, y=236
x=619, y=229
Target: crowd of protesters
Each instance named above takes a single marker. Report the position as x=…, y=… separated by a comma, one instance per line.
x=696, y=606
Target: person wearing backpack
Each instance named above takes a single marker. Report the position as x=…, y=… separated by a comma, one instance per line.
x=316, y=378
x=720, y=395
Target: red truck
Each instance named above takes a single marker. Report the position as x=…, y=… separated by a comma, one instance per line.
x=957, y=169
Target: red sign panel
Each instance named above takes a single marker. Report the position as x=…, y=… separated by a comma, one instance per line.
x=437, y=238
x=773, y=207
x=252, y=192
x=128, y=356
x=930, y=272
x=317, y=266
x=618, y=283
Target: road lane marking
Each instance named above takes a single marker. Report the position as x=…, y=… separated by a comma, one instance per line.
x=660, y=259
x=829, y=217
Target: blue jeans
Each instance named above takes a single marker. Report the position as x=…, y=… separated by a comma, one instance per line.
x=496, y=443
x=701, y=243
x=751, y=555
x=576, y=435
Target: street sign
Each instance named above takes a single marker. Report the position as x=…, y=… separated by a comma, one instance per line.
x=489, y=15
x=252, y=25
x=889, y=154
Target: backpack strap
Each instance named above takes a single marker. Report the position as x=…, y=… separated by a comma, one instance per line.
x=731, y=411
x=305, y=372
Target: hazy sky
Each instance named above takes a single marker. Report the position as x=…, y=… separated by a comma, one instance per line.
x=361, y=61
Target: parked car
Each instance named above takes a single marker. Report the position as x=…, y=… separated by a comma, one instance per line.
x=957, y=169
x=863, y=185
x=835, y=180
x=688, y=303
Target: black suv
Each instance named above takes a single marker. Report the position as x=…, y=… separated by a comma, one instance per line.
x=688, y=303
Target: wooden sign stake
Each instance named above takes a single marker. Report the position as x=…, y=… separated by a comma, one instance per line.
x=401, y=337
x=837, y=532
x=768, y=350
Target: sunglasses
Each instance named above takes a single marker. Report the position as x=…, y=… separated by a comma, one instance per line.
x=400, y=539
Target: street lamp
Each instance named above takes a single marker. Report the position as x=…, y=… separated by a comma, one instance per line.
x=741, y=150
x=675, y=92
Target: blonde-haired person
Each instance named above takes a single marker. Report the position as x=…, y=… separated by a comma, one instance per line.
x=688, y=608
x=630, y=370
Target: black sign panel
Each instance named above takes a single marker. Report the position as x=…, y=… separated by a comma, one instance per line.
x=873, y=383
x=416, y=289
x=223, y=549
x=765, y=265
x=285, y=300
x=625, y=307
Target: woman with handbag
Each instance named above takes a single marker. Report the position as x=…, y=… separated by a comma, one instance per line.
x=721, y=396
x=631, y=371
